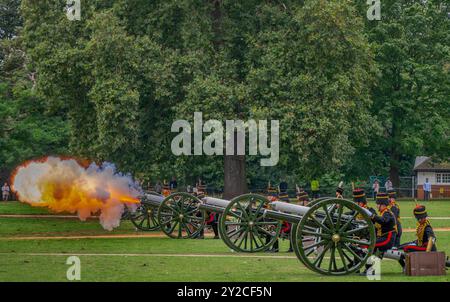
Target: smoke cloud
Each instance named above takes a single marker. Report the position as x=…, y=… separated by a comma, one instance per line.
x=64, y=185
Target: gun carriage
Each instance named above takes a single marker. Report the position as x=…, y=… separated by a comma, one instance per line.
x=329, y=236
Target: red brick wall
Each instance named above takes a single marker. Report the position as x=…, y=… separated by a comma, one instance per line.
x=435, y=191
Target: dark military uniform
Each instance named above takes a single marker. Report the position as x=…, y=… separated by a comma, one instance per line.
x=424, y=233
x=166, y=189
x=213, y=217
x=359, y=197
x=302, y=197
x=395, y=209
x=283, y=194
x=385, y=225
x=273, y=195
x=339, y=192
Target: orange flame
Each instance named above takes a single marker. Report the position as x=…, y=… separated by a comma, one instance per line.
x=69, y=185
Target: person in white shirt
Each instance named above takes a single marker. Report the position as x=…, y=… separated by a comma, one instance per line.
x=375, y=188
x=5, y=192
x=426, y=189
x=388, y=185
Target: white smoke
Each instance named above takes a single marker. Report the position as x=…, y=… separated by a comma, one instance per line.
x=63, y=185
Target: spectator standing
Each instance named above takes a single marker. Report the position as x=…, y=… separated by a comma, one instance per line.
x=283, y=191
x=315, y=188
x=375, y=188
x=158, y=187
x=426, y=189
x=173, y=184
x=5, y=191
x=388, y=185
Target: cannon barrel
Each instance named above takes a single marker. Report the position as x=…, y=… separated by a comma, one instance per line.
x=152, y=199
x=212, y=204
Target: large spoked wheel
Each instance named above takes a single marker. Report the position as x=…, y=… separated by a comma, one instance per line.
x=179, y=216
x=315, y=201
x=335, y=237
x=243, y=227
x=144, y=218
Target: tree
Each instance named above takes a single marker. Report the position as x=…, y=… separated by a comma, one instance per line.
x=128, y=69
x=411, y=98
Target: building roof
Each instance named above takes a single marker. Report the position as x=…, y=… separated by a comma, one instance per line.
x=424, y=163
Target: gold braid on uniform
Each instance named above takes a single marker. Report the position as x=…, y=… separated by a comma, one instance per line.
x=420, y=230
x=394, y=204
x=360, y=216
x=379, y=228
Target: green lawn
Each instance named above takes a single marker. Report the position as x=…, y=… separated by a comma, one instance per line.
x=161, y=259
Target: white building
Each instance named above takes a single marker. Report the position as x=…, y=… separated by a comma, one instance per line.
x=438, y=174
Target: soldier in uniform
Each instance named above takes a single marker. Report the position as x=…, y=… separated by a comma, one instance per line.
x=385, y=225
x=272, y=195
x=395, y=208
x=340, y=190
x=302, y=196
x=424, y=233
x=359, y=197
x=282, y=191
x=165, y=189
x=212, y=217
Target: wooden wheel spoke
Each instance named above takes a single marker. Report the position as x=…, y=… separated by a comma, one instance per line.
x=234, y=232
x=341, y=255
x=172, y=228
x=227, y=223
x=352, y=252
x=258, y=209
x=345, y=226
x=338, y=222
x=328, y=217
x=258, y=236
x=320, y=257
x=244, y=212
x=195, y=218
x=266, y=223
x=264, y=231
x=321, y=235
x=180, y=230
x=355, y=230
x=354, y=241
x=232, y=213
x=317, y=244
x=242, y=238
x=187, y=228
x=320, y=224
x=332, y=265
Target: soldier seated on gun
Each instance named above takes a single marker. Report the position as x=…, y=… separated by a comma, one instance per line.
x=424, y=232
x=385, y=225
x=395, y=208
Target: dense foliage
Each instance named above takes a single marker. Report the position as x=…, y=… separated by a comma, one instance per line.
x=354, y=97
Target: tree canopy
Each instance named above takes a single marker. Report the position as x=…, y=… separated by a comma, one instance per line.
x=354, y=97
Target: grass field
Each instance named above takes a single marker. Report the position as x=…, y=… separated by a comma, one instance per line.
x=36, y=249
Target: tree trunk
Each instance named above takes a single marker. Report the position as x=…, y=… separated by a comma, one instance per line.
x=394, y=169
x=235, y=180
